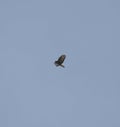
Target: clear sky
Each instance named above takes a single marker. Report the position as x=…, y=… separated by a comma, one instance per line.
x=36, y=93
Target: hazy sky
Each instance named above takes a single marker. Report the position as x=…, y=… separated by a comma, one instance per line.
x=36, y=93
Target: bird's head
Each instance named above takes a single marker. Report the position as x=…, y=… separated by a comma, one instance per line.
x=56, y=63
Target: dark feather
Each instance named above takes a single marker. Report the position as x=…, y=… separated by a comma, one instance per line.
x=60, y=60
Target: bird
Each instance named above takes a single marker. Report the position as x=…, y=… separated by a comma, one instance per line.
x=60, y=61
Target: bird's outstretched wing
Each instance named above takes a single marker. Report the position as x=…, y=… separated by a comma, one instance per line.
x=61, y=59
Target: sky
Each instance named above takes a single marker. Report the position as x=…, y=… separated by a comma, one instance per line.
x=36, y=93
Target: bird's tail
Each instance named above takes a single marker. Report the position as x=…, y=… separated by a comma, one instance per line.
x=62, y=65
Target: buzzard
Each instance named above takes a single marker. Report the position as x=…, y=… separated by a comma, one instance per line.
x=60, y=61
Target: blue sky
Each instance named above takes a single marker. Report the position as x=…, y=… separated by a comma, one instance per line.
x=36, y=93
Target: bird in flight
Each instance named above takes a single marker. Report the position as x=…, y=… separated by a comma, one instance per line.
x=60, y=61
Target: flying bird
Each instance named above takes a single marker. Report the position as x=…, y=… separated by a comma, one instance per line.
x=60, y=61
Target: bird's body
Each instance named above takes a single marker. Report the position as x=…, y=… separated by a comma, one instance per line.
x=60, y=61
